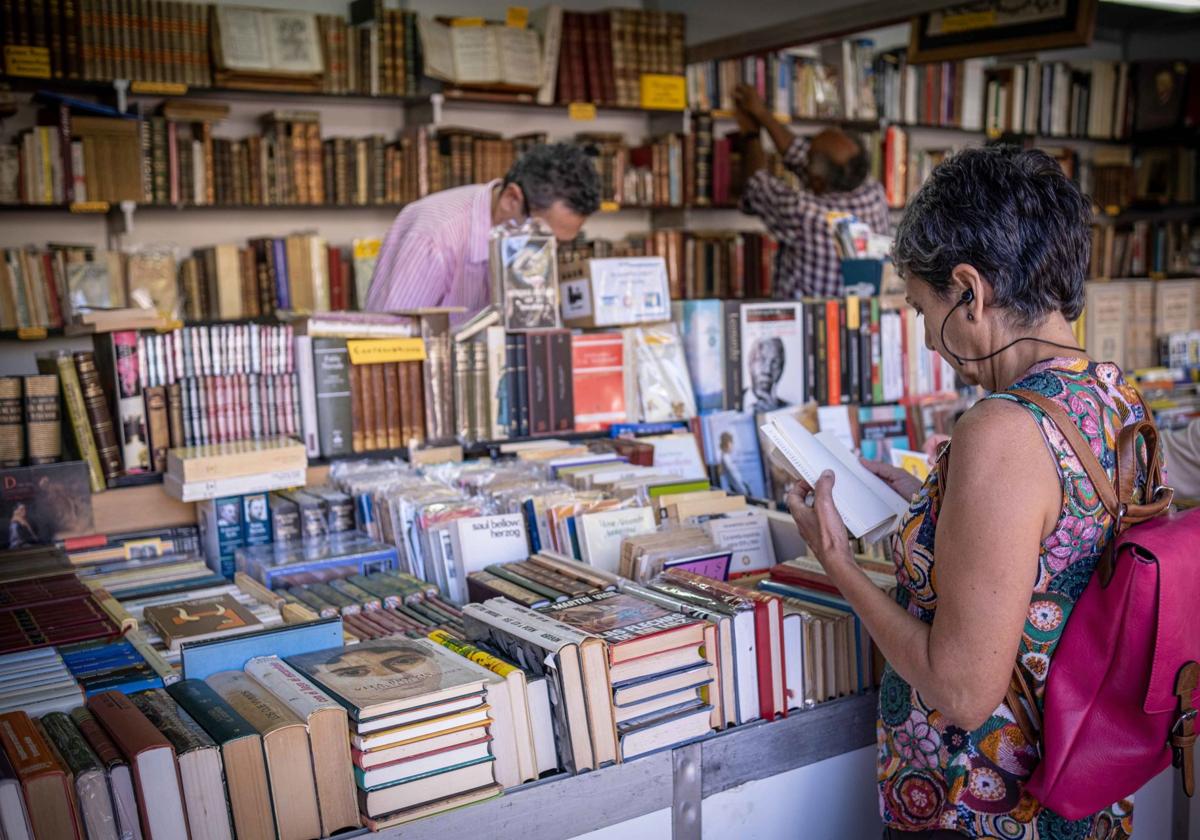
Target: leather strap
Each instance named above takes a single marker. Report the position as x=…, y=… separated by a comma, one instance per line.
x=1029, y=721
x=1183, y=732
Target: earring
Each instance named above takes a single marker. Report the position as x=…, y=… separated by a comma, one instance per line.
x=970, y=317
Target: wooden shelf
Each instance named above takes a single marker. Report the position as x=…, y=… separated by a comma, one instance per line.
x=138, y=508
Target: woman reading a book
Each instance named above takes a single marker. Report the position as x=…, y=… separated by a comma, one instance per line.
x=1002, y=538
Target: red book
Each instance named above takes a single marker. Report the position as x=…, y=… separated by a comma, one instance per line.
x=833, y=345
x=337, y=283
x=768, y=634
x=152, y=761
x=49, y=798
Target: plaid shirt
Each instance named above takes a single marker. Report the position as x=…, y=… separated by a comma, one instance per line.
x=807, y=262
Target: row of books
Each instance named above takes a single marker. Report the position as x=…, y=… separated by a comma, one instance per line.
x=379, y=57
x=1124, y=321
x=94, y=39
x=1145, y=248
x=30, y=422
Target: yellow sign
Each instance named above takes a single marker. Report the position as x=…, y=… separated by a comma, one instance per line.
x=159, y=88
x=366, y=249
x=609, y=207
x=1112, y=210
x=33, y=62
x=664, y=93
x=89, y=206
x=369, y=351
x=967, y=21
x=581, y=111
x=467, y=21
x=517, y=17
x=31, y=333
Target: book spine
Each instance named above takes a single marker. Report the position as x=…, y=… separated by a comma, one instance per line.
x=358, y=437
x=12, y=431
x=43, y=423
x=415, y=403
x=99, y=415
x=159, y=425
x=561, y=382
x=77, y=416
x=391, y=393
x=332, y=385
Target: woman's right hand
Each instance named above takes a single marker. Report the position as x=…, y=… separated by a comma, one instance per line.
x=905, y=484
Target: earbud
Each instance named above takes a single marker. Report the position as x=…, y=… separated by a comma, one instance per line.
x=968, y=295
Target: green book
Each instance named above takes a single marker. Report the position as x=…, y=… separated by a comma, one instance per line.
x=90, y=776
x=213, y=714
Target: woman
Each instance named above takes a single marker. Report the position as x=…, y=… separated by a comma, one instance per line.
x=994, y=252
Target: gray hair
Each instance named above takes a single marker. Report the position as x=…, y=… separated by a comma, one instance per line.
x=1015, y=217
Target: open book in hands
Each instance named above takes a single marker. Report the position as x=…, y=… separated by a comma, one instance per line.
x=869, y=507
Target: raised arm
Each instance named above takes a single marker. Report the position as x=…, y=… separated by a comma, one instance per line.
x=987, y=543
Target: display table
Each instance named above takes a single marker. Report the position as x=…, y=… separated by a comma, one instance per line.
x=567, y=806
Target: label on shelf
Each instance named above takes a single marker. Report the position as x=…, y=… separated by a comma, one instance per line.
x=517, y=17
x=467, y=21
x=967, y=21
x=1112, y=210
x=31, y=333
x=159, y=88
x=581, y=111
x=609, y=207
x=89, y=206
x=370, y=351
x=663, y=92
x=32, y=62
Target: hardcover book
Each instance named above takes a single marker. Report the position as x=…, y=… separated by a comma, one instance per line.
x=117, y=363
x=632, y=627
x=701, y=323
x=772, y=347
x=390, y=675
x=731, y=449
x=203, y=618
x=45, y=783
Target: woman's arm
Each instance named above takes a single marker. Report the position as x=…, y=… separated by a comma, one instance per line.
x=1003, y=496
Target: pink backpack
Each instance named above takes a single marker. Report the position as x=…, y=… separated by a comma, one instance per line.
x=1121, y=696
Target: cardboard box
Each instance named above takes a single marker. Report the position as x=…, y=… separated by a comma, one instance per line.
x=614, y=292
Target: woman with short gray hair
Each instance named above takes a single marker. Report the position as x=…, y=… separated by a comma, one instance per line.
x=1003, y=537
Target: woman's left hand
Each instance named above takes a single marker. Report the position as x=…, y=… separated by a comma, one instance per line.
x=821, y=525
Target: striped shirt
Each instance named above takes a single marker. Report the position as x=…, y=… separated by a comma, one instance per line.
x=436, y=254
x=807, y=262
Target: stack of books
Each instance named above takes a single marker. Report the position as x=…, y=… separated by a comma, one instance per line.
x=660, y=679
x=413, y=699
x=213, y=471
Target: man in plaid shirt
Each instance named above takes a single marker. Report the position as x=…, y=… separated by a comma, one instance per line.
x=833, y=171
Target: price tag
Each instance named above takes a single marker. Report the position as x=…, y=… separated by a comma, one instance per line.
x=517, y=17
x=159, y=88
x=467, y=21
x=664, y=93
x=33, y=62
x=1112, y=210
x=967, y=21
x=369, y=351
x=31, y=333
x=609, y=207
x=581, y=111
x=89, y=206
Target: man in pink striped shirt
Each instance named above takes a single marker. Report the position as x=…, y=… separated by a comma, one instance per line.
x=436, y=253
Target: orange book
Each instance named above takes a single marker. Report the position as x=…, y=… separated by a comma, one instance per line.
x=598, y=366
x=833, y=346
x=49, y=799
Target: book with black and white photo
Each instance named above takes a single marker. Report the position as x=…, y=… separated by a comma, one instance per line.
x=772, y=356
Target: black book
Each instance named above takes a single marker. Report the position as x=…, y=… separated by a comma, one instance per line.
x=331, y=366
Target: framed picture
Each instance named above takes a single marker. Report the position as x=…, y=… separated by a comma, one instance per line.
x=989, y=27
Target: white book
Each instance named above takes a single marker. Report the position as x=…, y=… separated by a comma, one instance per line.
x=972, y=98
x=541, y=723
x=747, y=536
x=319, y=265
x=14, y=822
x=548, y=20
x=1060, y=100
x=478, y=541
x=773, y=357
x=1018, y=99
x=793, y=658
x=601, y=534
x=306, y=381
x=678, y=454
x=869, y=507
x=198, y=491
x=497, y=360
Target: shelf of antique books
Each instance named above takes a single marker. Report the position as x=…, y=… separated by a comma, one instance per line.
x=668, y=779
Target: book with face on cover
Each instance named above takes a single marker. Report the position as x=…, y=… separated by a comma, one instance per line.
x=869, y=508
x=381, y=677
x=631, y=626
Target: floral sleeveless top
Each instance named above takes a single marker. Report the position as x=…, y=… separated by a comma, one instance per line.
x=933, y=774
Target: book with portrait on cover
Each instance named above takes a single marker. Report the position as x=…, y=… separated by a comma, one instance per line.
x=390, y=675
x=631, y=626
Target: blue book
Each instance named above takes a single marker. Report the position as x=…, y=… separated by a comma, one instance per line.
x=531, y=529
x=731, y=446
x=286, y=564
x=125, y=686
x=283, y=290
x=704, y=346
x=201, y=660
x=358, y=773
x=639, y=429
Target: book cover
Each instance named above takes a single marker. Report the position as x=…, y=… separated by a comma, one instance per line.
x=598, y=370
x=701, y=323
x=117, y=363
x=12, y=432
x=601, y=534
x=331, y=363
x=202, y=618
x=617, y=618
x=39, y=505
x=731, y=448
x=373, y=678
x=772, y=342
x=43, y=423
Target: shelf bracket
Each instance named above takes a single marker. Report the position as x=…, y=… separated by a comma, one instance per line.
x=121, y=86
x=686, y=792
